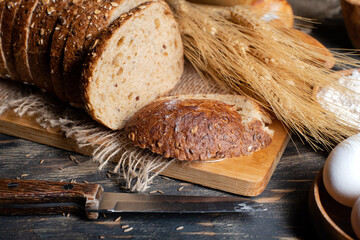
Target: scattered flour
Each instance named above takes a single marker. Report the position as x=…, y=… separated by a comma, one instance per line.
x=347, y=106
x=269, y=17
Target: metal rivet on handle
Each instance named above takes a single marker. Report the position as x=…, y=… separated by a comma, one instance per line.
x=13, y=184
x=68, y=186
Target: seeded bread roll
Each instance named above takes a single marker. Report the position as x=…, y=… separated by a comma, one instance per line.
x=137, y=59
x=201, y=129
x=42, y=27
x=76, y=12
x=7, y=24
x=20, y=37
x=79, y=42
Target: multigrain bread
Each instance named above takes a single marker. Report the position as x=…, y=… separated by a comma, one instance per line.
x=42, y=27
x=74, y=47
x=201, y=128
x=21, y=29
x=137, y=59
x=79, y=42
x=7, y=23
x=131, y=58
x=247, y=107
x=75, y=12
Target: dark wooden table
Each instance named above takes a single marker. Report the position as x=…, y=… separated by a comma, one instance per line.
x=285, y=197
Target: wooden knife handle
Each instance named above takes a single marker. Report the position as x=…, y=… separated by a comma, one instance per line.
x=23, y=197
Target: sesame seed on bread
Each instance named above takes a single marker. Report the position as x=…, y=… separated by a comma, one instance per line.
x=201, y=128
x=7, y=23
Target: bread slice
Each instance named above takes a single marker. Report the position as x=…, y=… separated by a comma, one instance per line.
x=20, y=37
x=4, y=73
x=7, y=23
x=138, y=58
x=42, y=27
x=74, y=48
x=200, y=127
x=78, y=44
x=74, y=13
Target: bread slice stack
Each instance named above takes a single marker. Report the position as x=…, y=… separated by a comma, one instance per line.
x=110, y=57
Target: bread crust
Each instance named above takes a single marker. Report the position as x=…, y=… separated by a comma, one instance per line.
x=94, y=55
x=20, y=38
x=195, y=129
x=72, y=14
x=74, y=51
x=7, y=23
x=42, y=26
x=75, y=57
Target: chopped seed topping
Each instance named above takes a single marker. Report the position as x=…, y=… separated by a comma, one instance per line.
x=128, y=229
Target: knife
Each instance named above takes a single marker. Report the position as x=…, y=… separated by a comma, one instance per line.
x=23, y=197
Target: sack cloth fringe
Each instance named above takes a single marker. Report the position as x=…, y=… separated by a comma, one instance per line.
x=133, y=164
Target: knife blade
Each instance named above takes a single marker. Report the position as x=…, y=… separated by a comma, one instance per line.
x=22, y=197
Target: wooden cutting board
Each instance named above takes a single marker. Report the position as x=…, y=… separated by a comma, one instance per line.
x=246, y=176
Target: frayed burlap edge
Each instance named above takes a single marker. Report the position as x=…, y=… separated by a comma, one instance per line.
x=133, y=164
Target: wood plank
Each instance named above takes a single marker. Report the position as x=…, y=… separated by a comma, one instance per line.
x=248, y=175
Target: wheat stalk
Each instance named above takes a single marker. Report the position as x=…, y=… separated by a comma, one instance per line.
x=239, y=50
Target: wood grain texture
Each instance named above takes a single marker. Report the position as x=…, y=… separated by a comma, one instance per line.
x=351, y=14
x=286, y=195
x=17, y=192
x=246, y=175
x=330, y=218
x=285, y=198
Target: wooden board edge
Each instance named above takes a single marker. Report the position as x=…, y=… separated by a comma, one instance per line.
x=20, y=127
x=207, y=179
x=40, y=135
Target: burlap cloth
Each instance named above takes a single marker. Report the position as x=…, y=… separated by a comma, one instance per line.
x=136, y=166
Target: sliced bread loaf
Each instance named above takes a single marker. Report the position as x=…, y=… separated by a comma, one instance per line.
x=20, y=37
x=138, y=58
x=192, y=128
x=75, y=12
x=42, y=26
x=78, y=44
x=74, y=46
x=7, y=23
